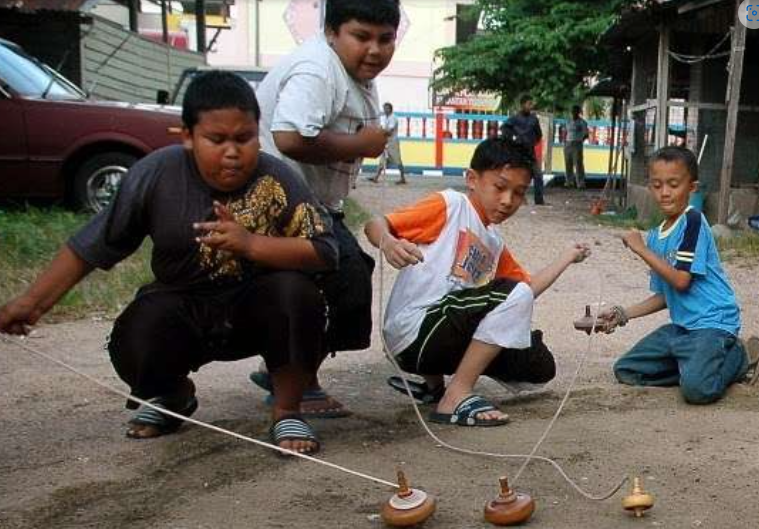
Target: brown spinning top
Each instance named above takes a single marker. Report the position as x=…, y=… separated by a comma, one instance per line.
x=585, y=323
x=407, y=506
x=638, y=501
x=509, y=508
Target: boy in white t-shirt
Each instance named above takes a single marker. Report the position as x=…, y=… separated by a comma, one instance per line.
x=320, y=113
x=461, y=304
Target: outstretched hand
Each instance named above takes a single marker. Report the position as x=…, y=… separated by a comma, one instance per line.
x=401, y=253
x=18, y=315
x=225, y=233
x=578, y=252
x=634, y=240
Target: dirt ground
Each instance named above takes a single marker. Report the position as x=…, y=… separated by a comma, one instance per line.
x=64, y=460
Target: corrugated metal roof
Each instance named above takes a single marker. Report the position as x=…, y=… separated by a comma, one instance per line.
x=42, y=5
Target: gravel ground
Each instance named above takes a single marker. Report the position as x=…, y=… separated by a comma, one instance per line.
x=64, y=460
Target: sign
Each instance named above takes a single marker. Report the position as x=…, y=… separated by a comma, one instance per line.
x=468, y=100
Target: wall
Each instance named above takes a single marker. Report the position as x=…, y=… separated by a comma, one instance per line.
x=120, y=65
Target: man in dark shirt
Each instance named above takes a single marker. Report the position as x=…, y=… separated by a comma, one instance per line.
x=236, y=239
x=526, y=126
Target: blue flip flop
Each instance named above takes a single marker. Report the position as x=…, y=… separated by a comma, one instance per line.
x=332, y=409
x=466, y=412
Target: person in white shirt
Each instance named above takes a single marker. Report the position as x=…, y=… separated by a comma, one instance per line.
x=392, y=154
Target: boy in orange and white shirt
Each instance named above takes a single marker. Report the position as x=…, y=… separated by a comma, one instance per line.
x=461, y=304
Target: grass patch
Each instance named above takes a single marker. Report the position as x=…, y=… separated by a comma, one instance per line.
x=30, y=238
x=355, y=215
x=743, y=244
x=628, y=219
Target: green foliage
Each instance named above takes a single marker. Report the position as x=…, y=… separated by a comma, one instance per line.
x=355, y=215
x=545, y=47
x=29, y=239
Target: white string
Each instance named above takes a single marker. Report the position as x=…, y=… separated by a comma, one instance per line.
x=170, y=413
x=527, y=457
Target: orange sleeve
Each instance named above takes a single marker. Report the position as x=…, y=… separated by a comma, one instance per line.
x=420, y=223
x=509, y=268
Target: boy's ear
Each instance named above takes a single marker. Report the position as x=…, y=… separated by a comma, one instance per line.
x=471, y=178
x=187, y=138
x=329, y=33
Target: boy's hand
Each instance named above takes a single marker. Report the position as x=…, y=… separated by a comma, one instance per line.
x=610, y=319
x=578, y=252
x=372, y=140
x=633, y=240
x=401, y=253
x=226, y=233
x=17, y=315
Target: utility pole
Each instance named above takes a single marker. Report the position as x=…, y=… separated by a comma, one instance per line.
x=200, y=25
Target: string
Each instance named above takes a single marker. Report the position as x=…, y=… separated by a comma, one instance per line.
x=526, y=457
x=170, y=413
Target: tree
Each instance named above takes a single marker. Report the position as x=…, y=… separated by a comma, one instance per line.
x=545, y=47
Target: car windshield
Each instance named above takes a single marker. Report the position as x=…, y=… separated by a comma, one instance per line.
x=31, y=78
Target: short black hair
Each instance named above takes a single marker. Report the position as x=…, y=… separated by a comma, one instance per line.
x=215, y=90
x=379, y=12
x=672, y=154
x=388, y=104
x=576, y=109
x=525, y=98
x=506, y=150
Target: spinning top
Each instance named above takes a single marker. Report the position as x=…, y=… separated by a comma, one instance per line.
x=585, y=323
x=638, y=501
x=407, y=506
x=509, y=508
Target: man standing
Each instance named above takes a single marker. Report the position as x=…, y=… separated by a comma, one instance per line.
x=577, y=133
x=526, y=126
x=392, y=154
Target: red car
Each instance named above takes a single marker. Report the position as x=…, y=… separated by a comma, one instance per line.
x=57, y=143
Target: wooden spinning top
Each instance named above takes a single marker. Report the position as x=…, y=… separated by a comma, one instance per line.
x=638, y=501
x=585, y=323
x=509, y=508
x=407, y=506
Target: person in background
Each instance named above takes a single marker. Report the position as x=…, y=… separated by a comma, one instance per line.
x=392, y=154
x=527, y=128
x=577, y=133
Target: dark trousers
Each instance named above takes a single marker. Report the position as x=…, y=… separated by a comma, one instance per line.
x=164, y=335
x=349, y=293
x=537, y=183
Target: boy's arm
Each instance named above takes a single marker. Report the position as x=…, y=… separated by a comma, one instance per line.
x=679, y=279
x=328, y=147
x=546, y=277
x=64, y=271
x=398, y=252
x=618, y=316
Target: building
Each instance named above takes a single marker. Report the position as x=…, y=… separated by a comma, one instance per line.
x=692, y=68
x=263, y=31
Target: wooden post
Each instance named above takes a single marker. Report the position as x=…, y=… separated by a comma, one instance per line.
x=133, y=13
x=735, y=75
x=662, y=87
x=200, y=25
x=164, y=22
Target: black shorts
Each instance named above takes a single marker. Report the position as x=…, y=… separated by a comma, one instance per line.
x=441, y=344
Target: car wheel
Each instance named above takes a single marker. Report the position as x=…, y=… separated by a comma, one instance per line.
x=98, y=178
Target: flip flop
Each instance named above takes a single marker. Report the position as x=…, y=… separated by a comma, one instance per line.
x=163, y=424
x=293, y=428
x=466, y=412
x=419, y=390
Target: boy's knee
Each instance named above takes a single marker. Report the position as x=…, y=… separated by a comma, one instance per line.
x=696, y=392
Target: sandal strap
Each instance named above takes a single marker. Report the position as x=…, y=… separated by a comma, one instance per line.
x=470, y=407
x=292, y=429
x=150, y=416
